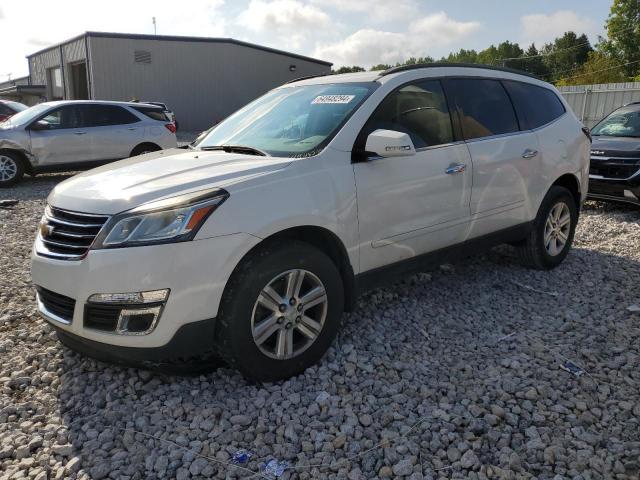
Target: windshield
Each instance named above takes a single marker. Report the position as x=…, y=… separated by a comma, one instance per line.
x=26, y=116
x=293, y=121
x=16, y=106
x=622, y=123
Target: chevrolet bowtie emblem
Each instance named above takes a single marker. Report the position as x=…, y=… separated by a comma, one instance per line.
x=46, y=230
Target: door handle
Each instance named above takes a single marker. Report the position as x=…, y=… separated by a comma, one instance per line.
x=528, y=153
x=79, y=133
x=459, y=168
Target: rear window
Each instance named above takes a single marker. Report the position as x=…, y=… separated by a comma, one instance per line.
x=153, y=113
x=536, y=106
x=483, y=107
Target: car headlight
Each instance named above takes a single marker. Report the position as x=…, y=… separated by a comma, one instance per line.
x=175, y=219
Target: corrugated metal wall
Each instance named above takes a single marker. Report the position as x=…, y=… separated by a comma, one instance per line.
x=591, y=103
x=66, y=54
x=202, y=82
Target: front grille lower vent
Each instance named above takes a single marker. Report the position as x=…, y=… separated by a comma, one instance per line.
x=56, y=304
x=67, y=235
x=613, y=170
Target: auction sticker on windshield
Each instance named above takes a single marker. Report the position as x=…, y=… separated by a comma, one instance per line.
x=333, y=99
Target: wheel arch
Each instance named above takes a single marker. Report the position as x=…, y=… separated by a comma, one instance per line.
x=324, y=240
x=571, y=183
x=28, y=168
x=154, y=146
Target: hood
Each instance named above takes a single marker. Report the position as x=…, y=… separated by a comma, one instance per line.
x=603, y=146
x=128, y=183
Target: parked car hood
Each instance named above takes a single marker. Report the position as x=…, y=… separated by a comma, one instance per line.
x=123, y=185
x=616, y=146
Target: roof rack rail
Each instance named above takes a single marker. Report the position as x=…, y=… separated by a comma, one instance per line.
x=306, y=78
x=416, y=66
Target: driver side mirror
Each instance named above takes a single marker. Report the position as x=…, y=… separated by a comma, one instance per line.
x=389, y=143
x=39, y=125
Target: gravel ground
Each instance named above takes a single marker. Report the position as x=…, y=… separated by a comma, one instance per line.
x=449, y=374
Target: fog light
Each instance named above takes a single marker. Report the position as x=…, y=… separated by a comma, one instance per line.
x=139, y=321
x=134, y=298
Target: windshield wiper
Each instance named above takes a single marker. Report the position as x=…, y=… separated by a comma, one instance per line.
x=237, y=149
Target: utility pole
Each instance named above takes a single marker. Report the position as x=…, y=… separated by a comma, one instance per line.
x=155, y=29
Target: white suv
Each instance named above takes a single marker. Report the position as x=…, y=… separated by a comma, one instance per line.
x=79, y=134
x=252, y=243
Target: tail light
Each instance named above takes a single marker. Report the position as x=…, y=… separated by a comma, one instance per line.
x=587, y=132
x=171, y=127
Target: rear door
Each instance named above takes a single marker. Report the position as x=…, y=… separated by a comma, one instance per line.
x=411, y=205
x=504, y=154
x=112, y=131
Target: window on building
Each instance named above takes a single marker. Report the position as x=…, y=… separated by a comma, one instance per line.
x=483, y=106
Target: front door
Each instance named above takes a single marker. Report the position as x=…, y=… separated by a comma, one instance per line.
x=414, y=204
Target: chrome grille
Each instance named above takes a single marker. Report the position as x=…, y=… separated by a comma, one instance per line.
x=67, y=235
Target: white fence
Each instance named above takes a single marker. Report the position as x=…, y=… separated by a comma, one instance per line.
x=591, y=103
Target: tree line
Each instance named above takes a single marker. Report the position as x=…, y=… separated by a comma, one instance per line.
x=570, y=59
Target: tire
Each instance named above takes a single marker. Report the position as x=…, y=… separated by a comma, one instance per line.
x=533, y=251
x=11, y=169
x=242, y=313
x=144, y=148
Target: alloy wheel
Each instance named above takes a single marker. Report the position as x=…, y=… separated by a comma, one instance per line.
x=8, y=168
x=289, y=314
x=557, y=229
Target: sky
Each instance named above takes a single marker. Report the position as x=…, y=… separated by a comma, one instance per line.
x=345, y=32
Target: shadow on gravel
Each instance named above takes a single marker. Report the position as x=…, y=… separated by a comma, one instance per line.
x=472, y=350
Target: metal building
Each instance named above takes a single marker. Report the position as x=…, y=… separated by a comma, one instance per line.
x=201, y=79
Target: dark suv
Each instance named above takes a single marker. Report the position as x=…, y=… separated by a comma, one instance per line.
x=615, y=156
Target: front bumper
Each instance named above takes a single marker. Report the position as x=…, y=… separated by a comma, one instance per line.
x=627, y=191
x=196, y=273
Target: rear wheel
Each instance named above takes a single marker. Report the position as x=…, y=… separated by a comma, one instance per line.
x=280, y=311
x=144, y=148
x=11, y=169
x=551, y=237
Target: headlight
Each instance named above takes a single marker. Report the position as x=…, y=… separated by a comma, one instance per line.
x=175, y=219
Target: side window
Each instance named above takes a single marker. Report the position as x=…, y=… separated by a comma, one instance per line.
x=105, y=115
x=483, y=106
x=4, y=110
x=153, y=113
x=418, y=109
x=63, y=117
x=536, y=106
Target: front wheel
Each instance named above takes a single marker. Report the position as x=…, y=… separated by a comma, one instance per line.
x=11, y=169
x=550, y=239
x=280, y=311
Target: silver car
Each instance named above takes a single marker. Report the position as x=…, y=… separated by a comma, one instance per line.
x=76, y=135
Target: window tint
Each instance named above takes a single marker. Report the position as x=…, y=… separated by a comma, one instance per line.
x=419, y=109
x=5, y=110
x=105, y=115
x=483, y=106
x=536, y=106
x=63, y=117
x=153, y=113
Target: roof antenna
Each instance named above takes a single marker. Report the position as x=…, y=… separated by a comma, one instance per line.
x=155, y=29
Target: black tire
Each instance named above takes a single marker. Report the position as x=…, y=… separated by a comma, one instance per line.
x=532, y=251
x=234, y=338
x=11, y=169
x=144, y=148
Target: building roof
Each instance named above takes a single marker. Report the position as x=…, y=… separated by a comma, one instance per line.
x=178, y=38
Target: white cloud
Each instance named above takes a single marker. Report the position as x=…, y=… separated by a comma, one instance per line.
x=286, y=19
x=376, y=10
x=542, y=28
x=367, y=47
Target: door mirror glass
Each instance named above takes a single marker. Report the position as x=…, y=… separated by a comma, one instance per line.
x=40, y=125
x=389, y=143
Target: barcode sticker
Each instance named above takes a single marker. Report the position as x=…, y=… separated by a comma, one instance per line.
x=333, y=99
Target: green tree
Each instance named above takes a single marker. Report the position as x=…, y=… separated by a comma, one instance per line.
x=566, y=54
x=380, y=66
x=533, y=62
x=599, y=68
x=462, y=56
x=352, y=69
x=623, y=32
